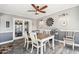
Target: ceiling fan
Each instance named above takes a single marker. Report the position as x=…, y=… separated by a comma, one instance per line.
x=38, y=9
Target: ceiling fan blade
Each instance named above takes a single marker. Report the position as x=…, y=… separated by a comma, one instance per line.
x=38, y=9
x=34, y=6
x=43, y=7
x=31, y=11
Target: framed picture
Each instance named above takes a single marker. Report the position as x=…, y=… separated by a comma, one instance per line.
x=7, y=24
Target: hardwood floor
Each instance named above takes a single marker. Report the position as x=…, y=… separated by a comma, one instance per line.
x=17, y=48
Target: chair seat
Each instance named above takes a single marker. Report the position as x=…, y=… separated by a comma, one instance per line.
x=69, y=41
x=69, y=37
x=39, y=44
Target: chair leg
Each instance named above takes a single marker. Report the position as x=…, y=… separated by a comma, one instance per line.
x=45, y=48
x=37, y=50
x=64, y=44
x=73, y=46
x=27, y=45
x=32, y=49
x=49, y=43
x=24, y=44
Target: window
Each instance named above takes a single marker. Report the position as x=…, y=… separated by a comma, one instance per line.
x=7, y=24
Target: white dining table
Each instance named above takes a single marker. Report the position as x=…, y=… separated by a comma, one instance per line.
x=44, y=40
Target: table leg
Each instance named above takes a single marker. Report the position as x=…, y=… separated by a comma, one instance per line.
x=44, y=47
x=53, y=43
x=41, y=47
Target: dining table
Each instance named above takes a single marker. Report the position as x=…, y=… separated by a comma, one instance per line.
x=44, y=38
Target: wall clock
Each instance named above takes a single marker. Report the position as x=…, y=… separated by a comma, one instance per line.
x=49, y=21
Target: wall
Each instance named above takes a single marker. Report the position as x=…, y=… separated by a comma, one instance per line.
x=71, y=23
x=6, y=34
x=3, y=28
x=34, y=24
x=72, y=20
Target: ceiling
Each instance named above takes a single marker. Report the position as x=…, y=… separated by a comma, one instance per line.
x=22, y=9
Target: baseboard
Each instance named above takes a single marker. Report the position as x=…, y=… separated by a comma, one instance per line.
x=6, y=42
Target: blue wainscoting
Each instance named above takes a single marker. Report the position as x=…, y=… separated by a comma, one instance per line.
x=6, y=37
x=77, y=37
x=62, y=34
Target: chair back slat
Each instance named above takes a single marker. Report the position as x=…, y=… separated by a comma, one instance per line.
x=33, y=36
x=70, y=34
x=26, y=36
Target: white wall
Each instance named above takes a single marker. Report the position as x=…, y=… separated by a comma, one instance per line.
x=3, y=20
x=34, y=24
x=72, y=20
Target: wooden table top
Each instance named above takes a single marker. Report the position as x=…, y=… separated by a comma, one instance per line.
x=42, y=36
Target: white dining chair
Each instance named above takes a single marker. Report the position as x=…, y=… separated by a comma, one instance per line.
x=35, y=42
x=27, y=41
x=69, y=39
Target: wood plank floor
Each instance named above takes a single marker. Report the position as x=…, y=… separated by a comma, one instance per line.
x=59, y=49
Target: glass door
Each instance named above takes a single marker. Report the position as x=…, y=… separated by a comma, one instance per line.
x=18, y=28
x=26, y=27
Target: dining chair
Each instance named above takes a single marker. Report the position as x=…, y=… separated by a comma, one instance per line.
x=69, y=39
x=46, y=32
x=36, y=43
x=27, y=40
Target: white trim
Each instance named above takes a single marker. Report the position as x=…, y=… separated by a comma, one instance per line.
x=23, y=20
x=59, y=40
x=5, y=31
x=17, y=38
x=70, y=30
x=76, y=45
x=6, y=42
x=13, y=28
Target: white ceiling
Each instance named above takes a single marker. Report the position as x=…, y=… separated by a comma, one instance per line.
x=22, y=9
